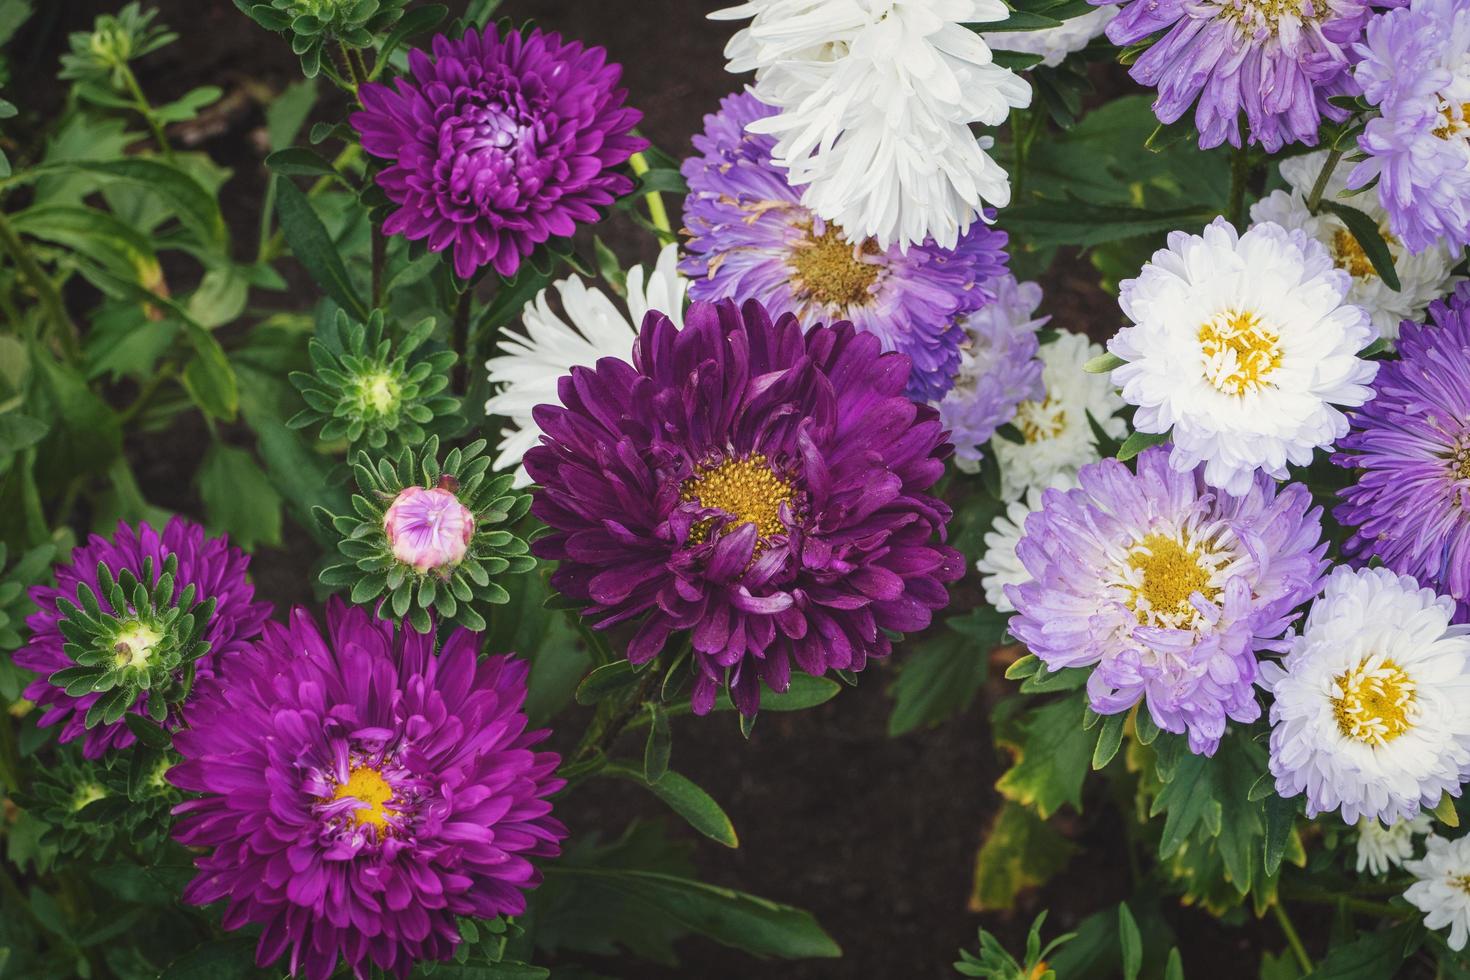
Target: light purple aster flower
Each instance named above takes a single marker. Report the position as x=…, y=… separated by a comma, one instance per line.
x=1415, y=68
x=1410, y=450
x=1169, y=588
x=360, y=791
x=751, y=238
x=999, y=368
x=760, y=487
x=1278, y=61
x=496, y=144
x=215, y=570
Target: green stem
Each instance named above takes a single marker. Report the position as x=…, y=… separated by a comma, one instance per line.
x=353, y=78
x=272, y=250
x=1293, y=938
x=46, y=291
x=459, y=336
x=1239, y=174
x=657, y=213
x=1317, y=896
x=608, y=724
x=145, y=109
x=380, y=262
x=1320, y=186
x=10, y=774
x=146, y=393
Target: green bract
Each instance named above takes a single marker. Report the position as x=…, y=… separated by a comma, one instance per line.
x=364, y=388
x=313, y=23
x=86, y=805
x=102, y=54
x=131, y=640
x=449, y=592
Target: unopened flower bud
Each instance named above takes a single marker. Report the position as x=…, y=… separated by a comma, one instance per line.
x=428, y=529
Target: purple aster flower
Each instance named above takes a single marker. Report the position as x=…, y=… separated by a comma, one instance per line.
x=1168, y=587
x=1279, y=61
x=1410, y=450
x=215, y=570
x=360, y=791
x=751, y=238
x=761, y=487
x=999, y=368
x=498, y=143
x=1415, y=68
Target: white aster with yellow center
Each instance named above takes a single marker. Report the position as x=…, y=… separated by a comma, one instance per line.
x=1442, y=892
x=529, y=366
x=1383, y=847
x=1244, y=346
x=1423, y=277
x=1372, y=702
x=1057, y=439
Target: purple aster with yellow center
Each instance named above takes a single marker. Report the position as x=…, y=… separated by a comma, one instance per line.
x=760, y=488
x=497, y=143
x=1276, y=61
x=751, y=238
x=215, y=571
x=358, y=791
x=1166, y=588
x=1409, y=449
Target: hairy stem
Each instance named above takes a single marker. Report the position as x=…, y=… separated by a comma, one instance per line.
x=1320, y=186
x=145, y=109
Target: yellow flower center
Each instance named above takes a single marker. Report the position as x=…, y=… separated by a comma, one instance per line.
x=1374, y=703
x=1460, y=462
x=830, y=270
x=134, y=644
x=1039, y=421
x=1454, y=124
x=1349, y=255
x=1240, y=353
x=747, y=489
x=1461, y=882
x=366, y=785
x=1252, y=15
x=378, y=392
x=1171, y=573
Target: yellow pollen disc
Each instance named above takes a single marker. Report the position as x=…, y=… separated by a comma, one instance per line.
x=1460, y=461
x=1240, y=353
x=1255, y=14
x=747, y=489
x=830, y=270
x=1349, y=255
x=1039, y=421
x=1171, y=574
x=366, y=785
x=1375, y=702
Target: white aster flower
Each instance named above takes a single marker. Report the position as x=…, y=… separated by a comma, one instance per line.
x=875, y=100
x=1000, y=566
x=1381, y=848
x=1243, y=345
x=1442, y=892
x=1372, y=702
x=1055, y=43
x=1422, y=278
x=1058, y=437
x=529, y=365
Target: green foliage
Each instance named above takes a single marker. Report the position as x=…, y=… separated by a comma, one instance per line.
x=995, y=963
x=312, y=25
x=1021, y=851
x=944, y=669
x=1053, y=754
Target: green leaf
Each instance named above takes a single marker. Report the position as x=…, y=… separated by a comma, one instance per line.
x=1444, y=811
x=19, y=431
x=195, y=207
x=732, y=918
x=223, y=959
x=85, y=433
x=1137, y=442
x=686, y=799
x=1053, y=756
x=944, y=670
x=239, y=499
x=1076, y=222
x=805, y=692
x=1020, y=851
x=300, y=161
x=1019, y=20
x=1131, y=942
x=1369, y=238
x=1103, y=364
x=1174, y=969
x=606, y=681
x=285, y=116
x=314, y=248
x=208, y=377
x=416, y=21
x=1373, y=956
x=659, y=745
x=1109, y=739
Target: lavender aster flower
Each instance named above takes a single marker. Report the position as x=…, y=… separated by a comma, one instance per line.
x=1410, y=447
x=1169, y=588
x=496, y=144
x=1416, y=68
x=213, y=568
x=761, y=487
x=751, y=238
x=428, y=529
x=1279, y=61
x=360, y=791
x=999, y=368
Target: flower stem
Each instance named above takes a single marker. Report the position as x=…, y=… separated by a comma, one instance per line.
x=657, y=213
x=145, y=109
x=1293, y=938
x=46, y=291
x=1240, y=172
x=459, y=341
x=1320, y=186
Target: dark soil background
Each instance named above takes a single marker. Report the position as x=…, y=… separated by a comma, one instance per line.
x=875, y=836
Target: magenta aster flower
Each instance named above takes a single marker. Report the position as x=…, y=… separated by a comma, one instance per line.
x=359, y=791
x=1410, y=450
x=496, y=144
x=762, y=488
x=210, y=565
x=428, y=528
x=751, y=238
x=1278, y=61
x=1168, y=588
